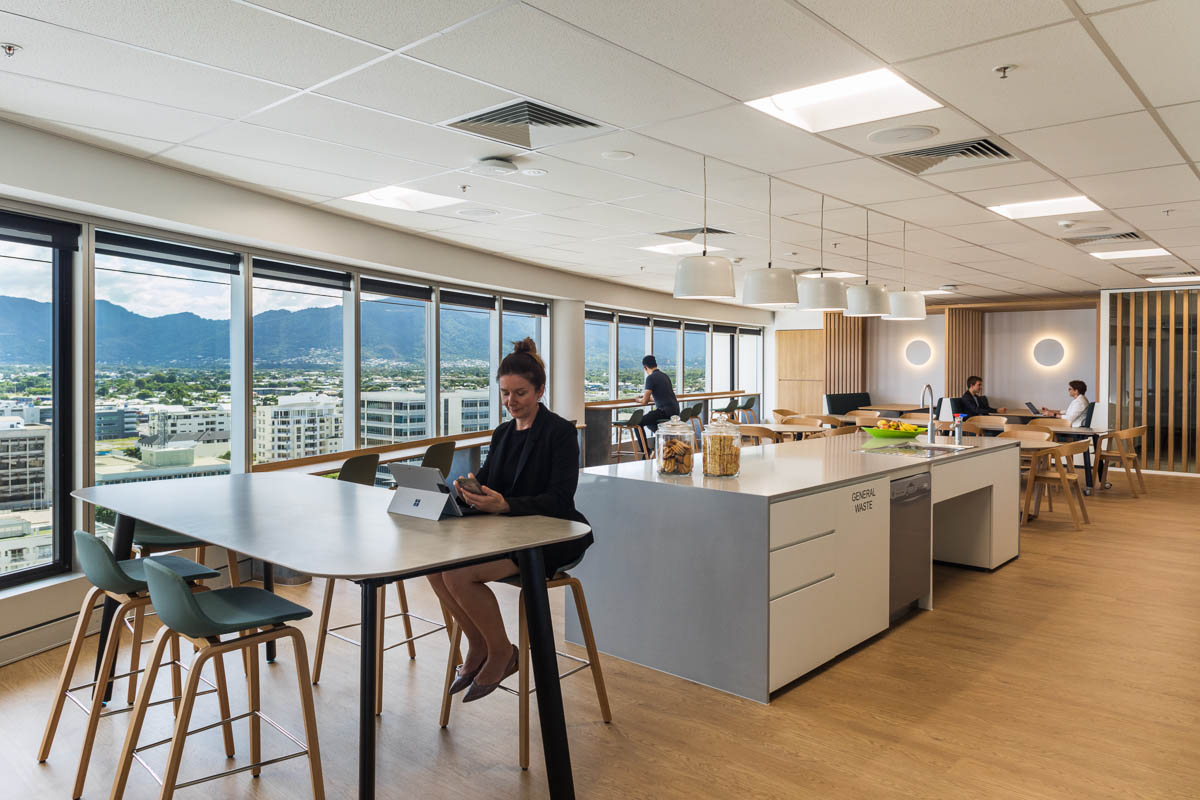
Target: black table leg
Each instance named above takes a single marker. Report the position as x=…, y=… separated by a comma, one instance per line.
x=122, y=548
x=269, y=585
x=366, y=691
x=545, y=673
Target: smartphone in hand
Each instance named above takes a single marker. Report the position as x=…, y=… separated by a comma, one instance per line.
x=469, y=484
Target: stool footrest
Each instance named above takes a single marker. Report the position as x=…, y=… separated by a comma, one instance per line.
x=84, y=707
x=582, y=662
x=438, y=626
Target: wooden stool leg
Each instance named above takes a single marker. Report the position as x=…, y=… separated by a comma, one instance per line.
x=323, y=630
x=523, y=682
x=1082, y=505
x=138, y=715
x=589, y=640
x=175, y=756
x=620, y=440
x=309, y=713
x=107, y=662
x=223, y=701
x=448, y=622
x=403, y=598
x=1025, y=508
x=254, y=697
x=1137, y=467
x=176, y=674
x=135, y=651
x=231, y=562
x=198, y=558
x=68, y=670
x=452, y=661
x=381, y=619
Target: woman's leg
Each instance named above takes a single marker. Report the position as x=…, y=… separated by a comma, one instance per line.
x=476, y=647
x=468, y=586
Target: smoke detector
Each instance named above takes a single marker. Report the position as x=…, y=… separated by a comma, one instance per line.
x=904, y=135
x=493, y=167
x=9, y=49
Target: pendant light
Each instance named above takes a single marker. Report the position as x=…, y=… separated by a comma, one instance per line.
x=905, y=305
x=770, y=288
x=867, y=300
x=822, y=294
x=704, y=277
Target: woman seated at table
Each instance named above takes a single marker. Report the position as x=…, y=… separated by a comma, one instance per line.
x=1077, y=410
x=532, y=467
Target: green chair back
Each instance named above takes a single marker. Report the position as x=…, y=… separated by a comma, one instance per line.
x=175, y=604
x=360, y=469
x=636, y=417
x=100, y=566
x=729, y=409
x=686, y=413
x=748, y=403
x=440, y=455
x=698, y=409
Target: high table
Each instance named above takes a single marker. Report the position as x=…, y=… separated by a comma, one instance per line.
x=780, y=430
x=338, y=529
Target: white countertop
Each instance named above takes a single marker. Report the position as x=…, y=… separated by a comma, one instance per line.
x=783, y=470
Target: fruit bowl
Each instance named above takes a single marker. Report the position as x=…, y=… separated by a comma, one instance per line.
x=889, y=433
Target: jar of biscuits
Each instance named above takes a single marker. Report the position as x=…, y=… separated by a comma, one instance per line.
x=722, y=448
x=676, y=447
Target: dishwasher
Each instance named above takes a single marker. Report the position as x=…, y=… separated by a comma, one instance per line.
x=911, y=542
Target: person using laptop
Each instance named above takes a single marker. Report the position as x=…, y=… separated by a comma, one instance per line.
x=974, y=402
x=1077, y=410
x=659, y=390
x=532, y=467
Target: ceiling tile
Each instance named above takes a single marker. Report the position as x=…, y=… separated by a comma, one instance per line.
x=109, y=140
x=951, y=126
x=619, y=218
x=268, y=144
x=1178, y=237
x=504, y=233
x=1085, y=222
x=410, y=220
x=1043, y=190
x=989, y=233
x=653, y=161
x=1156, y=43
x=335, y=121
x=1142, y=187
x=690, y=208
x=415, y=90
x=1111, y=144
x=531, y=53
x=1184, y=122
x=251, y=171
x=572, y=228
x=936, y=211
x=966, y=180
x=863, y=180
x=384, y=22
x=1061, y=76
x=777, y=47
x=108, y=66
x=232, y=36
x=574, y=179
x=493, y=192
x=1159, y=216
x=897, y=31
x=748, y=137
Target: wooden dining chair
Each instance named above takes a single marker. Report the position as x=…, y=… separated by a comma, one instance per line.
x=844, y=431
x=758, y=434
x=862, y=412
x=1056, y=467
x=1122, y=451
x=780, y=414
x=1054, y=423
x=1024, y=432
x=989, y=419
x=970, y=428
x=813, y=419
x=914, y=418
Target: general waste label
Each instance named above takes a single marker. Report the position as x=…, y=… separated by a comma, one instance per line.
x=863, y=500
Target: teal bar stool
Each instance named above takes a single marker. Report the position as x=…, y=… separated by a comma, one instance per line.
x=124, y=582
x=730, y=409
x=151, y=539
x=637, y=436
x=746, y=412
x=361, y=469
x=441, y=456
x=254, y=616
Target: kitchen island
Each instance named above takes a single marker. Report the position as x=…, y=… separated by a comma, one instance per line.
x=749, y=582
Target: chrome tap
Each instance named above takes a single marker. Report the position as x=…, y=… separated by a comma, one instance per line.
x=930, y=436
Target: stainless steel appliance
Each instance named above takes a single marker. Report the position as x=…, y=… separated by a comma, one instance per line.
x=911, y=542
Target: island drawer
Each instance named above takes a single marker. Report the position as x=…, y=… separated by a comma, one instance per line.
x=801, y=518
x=799, y=565
x=802, y=632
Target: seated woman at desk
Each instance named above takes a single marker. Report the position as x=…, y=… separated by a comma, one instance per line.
x=532, y=467
x=1077, y=410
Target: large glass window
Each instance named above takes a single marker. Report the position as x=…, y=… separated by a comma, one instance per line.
x=597, y=361
x=632, y=347
x=298, y=352
x=723, y=357
x=35, y=396
x=395, y=401
x=695, y=358
x=666, y=350
x=467, y=352
x=749, y=360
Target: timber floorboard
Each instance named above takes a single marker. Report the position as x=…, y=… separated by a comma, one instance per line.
x=1071, y=672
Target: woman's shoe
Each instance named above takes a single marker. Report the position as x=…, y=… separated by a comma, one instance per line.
x=464, y=679
x=479, y=690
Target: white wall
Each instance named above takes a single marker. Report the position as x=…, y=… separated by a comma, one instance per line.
x=1011, y=376
x=890, y=378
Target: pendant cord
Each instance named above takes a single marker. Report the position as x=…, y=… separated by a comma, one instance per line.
x=770, y=225
x=822, y=267
x=704, y=224
x=904, y=248
x=868, y=281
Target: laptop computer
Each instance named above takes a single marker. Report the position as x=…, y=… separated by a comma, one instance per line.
x=422, y=492
x=1037, y=412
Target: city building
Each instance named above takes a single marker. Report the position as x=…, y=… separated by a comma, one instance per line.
x=114, y=422
x=24, y=464
x=26, y=538
x=28, y=414
x=466, y=410
x=393, y=416
x=188, y=419
x=304, y=424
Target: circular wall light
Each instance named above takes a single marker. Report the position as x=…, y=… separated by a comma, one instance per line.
x=1049, y=352
x=918, y=352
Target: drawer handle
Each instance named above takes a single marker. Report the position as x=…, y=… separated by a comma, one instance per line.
x=805, y=586
x=802, y=541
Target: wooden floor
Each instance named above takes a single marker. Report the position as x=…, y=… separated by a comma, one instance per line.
x=1073, y=672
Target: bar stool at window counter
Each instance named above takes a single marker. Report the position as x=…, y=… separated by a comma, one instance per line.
x=746, y=412
x=441, y=456
x=124, y=582
x=523, y=690
x=203, y=619
x=730, y=409
x=1122, y=451
x=361, y=470
x=637, y=436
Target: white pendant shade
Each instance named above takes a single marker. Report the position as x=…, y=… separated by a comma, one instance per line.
x=770, y=288
x=704, y=277
x=822, y=294
x=906, y=305
x=867, y=301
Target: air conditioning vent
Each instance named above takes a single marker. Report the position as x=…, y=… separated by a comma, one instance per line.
x=528, y=125
x=688, y=234
x=948, y=157
x=1128, y=236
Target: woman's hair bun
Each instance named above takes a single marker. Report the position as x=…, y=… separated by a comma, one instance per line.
x=524, y=361
x=526, y=345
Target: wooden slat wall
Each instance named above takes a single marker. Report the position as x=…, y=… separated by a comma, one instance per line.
x=964, y=348
x=1153, y=380
x=799, y=370
x=845, y=353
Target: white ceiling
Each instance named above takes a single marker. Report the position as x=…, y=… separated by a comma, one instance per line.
x=315, y=101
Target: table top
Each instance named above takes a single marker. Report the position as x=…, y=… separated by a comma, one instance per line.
x=776, y=427
x=1033, y=444
x=999, y=426
x=901, y=407
x=321, y=526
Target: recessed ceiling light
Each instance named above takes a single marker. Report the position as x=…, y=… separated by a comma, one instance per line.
x=869, y=96
x=930, y=292
x=1046, y=208
x=1115, y=255
x=535, y=172
x=1175, y=279
x=680, y=249
x=904, y=135
x=617, y=155
x=478, y=213
x=404, y=199
x=816, y=273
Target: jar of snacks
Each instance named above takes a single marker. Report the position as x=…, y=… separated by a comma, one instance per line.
x=676, y=447
x=722, y=448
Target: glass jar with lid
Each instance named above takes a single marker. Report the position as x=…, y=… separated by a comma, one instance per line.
x=676, y=447
x=722, y=448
